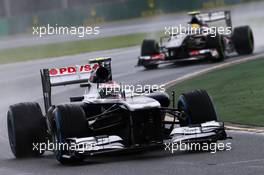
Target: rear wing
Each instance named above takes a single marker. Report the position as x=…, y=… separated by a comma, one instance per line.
x=70, y=75
x=216, y=16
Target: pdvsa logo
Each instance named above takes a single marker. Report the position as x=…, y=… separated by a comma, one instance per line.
x=73, y=69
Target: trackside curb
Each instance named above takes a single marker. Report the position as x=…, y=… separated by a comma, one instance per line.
x=247, y=128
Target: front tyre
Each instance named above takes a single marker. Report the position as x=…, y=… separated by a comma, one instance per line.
x=149, y=47
x=151, y=66
x=197, y=107
x=217, y=42
x=26, y=126
x=70, y=122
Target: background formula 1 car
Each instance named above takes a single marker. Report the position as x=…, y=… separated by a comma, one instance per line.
x=188, y=46
x=107, y=119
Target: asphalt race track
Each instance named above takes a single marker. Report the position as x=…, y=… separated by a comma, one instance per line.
x=20, y=82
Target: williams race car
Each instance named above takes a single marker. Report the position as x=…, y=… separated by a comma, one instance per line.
x=208, y=36
x=107, y=118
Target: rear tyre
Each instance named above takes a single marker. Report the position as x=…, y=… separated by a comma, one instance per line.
x=161, y=97
x=243, y=40
x=26, y=126
x=198, y=108
x=70, y=122
x=217, y=42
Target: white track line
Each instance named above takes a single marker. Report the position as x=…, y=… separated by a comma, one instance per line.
x=206, y=70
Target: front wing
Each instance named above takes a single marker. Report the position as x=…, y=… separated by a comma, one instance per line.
x=89, y=146
x=194, y=56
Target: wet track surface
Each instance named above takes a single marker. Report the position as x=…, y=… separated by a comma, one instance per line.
x=245, y=157
x=21, y=82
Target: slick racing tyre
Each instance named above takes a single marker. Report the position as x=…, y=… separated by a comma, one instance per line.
x=243, y=40
x=149, y=47
x=197, y=107
x=70, y=122
x=26, y=126
x=217, y=42
x=151, y=66
x=161, y=97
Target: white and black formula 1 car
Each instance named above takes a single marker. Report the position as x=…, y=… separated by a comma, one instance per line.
x=107, y=119
x=208, y=36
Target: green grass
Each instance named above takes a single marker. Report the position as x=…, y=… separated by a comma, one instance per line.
x=237, y=91
x=72, y=47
